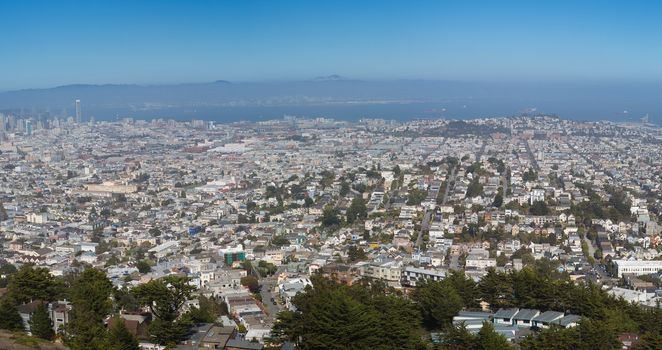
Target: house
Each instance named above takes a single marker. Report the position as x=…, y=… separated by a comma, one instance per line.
x=59, y=313
x=238, y=344
x=164, y=249
x=472, y=315
x=524, y=317
x=26, y=310
x=504, y=316
x=568, y=321
x=411, y=275
x=135, y=322
x=217, y=337
x=547, y=318
x=290, y=288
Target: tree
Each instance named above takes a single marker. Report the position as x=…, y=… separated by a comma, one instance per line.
x=502, y=259
x=587, y=335
x=143, y=266
x=154, y=231
x=165, y=297
x=459, y=338
x=529, y=175
x=3, y=212
x=649, y=341
x=208, y=311
x=6, y=270
x=465, y=287
x=539, y=208
x=416, y=196
x=496, y=288
x=31, y=283
x=489, y=339
x=334, y=316
x=90, y=297
x=438, y=302
x=355, y=254
x=330, y=216
x=498, y=200
x=200, y=315
x=41, y=325
x=119, y=338
x=280, y=241
x=251, y=283
x=9, y=316
x=474, y=189
x=344, y=188
x=357, y=210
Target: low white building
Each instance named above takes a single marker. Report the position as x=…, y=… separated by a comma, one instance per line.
x=165, y=248
x=637, y=267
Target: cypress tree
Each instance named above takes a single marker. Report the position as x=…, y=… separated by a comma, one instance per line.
x=119, y=338
x=40, y=324
x=9, y=316
x=90, y=296
x=488, y=339
x=3, y=212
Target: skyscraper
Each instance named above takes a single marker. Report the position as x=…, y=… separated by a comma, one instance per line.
x=28, y=127
x=79, y=116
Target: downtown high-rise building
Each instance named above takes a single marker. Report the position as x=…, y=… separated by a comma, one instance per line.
x=79, y=116
x=28, y=127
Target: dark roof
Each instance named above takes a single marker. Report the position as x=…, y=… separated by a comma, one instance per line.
x=506, y=313
x=548, y=316
x=474, y=314
x=526, y=314
x=567, y=319
x=29, y=307
x=287, y=346
x=243, y=344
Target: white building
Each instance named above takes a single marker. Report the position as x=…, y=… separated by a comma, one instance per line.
x=637, y=267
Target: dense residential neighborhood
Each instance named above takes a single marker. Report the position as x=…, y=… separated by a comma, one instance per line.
x=240, y=220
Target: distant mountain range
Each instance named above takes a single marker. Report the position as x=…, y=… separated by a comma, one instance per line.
x=337, y=96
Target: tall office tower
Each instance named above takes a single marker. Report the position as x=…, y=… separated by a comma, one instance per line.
x=28, y=127
x=2, y=122
x=79, y=117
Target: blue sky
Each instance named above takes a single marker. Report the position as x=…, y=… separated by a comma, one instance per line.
x=48, y=43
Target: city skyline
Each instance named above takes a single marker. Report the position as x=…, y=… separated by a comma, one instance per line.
x=330, y=175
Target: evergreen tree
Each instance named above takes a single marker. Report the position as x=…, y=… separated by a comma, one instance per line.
x=41, y=325
x=344, y=188
x=488, y=339
x=357, y=210
x=459, y=338
x=9, y=316
x=330, y=216
x=143, y=266
x=335, y=316
x=649, y=341
x=438, y=302
x=465, y=287
x=539, y=208
x=31, y=283
x=119, y=338
x=498, y=200
x=165, y=297
x=90, y=298
x=3, y=212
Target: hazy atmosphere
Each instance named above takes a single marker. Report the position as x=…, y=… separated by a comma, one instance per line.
x=590, y=60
